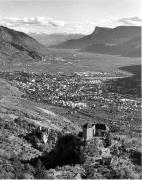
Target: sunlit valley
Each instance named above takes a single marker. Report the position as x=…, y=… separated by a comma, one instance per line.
x=70, y=104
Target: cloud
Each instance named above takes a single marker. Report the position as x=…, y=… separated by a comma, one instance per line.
x=27, y=21
x=45, y=25
x=50, y=25
x=136, y=20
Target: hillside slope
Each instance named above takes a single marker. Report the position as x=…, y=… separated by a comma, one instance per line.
x=19, y=117
x=108, y=40
x=15, y=44
x=131, y=48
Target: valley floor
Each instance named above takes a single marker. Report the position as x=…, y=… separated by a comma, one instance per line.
x=70, y=61
x=60, y=103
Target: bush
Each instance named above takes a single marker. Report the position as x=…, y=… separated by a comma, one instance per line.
x=18, y=167
x=68, y=150
x=136, y=157
x=92, y=173
x=107, y=140
x=123, y=169
x=40, y=171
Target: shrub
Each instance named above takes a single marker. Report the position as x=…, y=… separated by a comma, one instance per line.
x=136, y=157
x=107, y=140
x=68, y=150
x=18, y=167
x=123, y=168
x=40, y=171
x=92, y=173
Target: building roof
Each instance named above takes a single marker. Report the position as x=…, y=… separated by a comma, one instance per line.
x=97, y=126
x=101, y=126
x=88, y=125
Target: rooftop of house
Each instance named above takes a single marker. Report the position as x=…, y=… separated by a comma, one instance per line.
x=88, y=125
x=97, y=126
x=101, y=126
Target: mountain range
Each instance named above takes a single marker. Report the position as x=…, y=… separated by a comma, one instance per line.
x=122, y=40
x=128, y=48
x=15, y=46
x=54, y=39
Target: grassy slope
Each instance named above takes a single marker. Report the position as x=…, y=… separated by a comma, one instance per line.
x=30, y=114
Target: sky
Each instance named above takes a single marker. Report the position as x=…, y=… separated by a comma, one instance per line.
x=68, y=16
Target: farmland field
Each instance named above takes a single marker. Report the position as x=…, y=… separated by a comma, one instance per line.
x=69, y=61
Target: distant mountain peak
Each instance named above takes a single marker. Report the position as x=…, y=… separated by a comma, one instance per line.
x=99, y=29
x=102, y=40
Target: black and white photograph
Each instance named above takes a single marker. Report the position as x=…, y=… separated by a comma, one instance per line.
x=70, y=89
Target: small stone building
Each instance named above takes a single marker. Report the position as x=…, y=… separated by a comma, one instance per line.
x=94, y=130
x=88, y=131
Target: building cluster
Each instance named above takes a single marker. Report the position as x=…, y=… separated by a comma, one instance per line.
x=113, y=102
x=77, y=91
